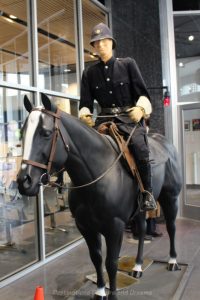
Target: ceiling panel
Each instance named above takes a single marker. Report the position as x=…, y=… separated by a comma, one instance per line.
x=56, y=37
x=185, y=26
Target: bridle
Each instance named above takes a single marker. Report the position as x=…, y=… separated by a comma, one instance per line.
x=57, y=132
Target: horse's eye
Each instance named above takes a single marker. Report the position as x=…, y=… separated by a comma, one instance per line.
x=46, y=133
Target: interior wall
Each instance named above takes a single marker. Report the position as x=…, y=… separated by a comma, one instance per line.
x=137, y=31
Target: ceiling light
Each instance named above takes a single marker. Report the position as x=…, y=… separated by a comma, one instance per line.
x=67, y=70
x=181, y=64
x=190, y=38
x=12, y=17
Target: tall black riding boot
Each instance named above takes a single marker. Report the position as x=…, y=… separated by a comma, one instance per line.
x=148, y=202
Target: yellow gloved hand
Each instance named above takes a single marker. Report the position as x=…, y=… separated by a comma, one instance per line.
x=87, y=119
x=136, y=113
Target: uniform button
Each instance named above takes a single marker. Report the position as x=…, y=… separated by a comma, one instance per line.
x=106, y=67
x=121, y=83
x=108, y=79
x=110, y=92
x=97, y=87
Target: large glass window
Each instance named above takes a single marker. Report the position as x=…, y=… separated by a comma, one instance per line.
x=18, y=238
x=186, y=5
x=57, y=49
x=14, y=48
x=92, y=15
x=187, y=39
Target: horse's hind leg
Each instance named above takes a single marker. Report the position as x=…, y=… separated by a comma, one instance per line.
x=113, y=236
x=170, y=209
x=93, y=240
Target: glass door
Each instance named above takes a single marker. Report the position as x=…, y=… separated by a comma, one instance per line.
x=190, y=142
x=187, y=32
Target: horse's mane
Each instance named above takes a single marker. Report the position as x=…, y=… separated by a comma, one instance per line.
x=84, y=130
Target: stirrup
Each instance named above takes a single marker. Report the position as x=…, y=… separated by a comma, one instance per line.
x=148, y=202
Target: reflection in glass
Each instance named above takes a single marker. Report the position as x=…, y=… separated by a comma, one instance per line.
x=60, y=228
x=67, y=105
x=57, y=50
x=18, y=238
x=14, y=52
x=192, y=155
x=187, y=38
x=92, y=15
x=186, y=5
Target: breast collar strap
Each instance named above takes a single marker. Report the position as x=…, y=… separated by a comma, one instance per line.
x=54, y=140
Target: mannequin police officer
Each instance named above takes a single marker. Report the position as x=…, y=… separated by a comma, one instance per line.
x=118, y=87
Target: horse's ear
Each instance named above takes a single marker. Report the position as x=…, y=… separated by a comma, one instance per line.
x=27, y=104
x=48, y=104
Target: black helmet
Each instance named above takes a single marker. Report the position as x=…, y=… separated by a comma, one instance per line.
x=100, y=32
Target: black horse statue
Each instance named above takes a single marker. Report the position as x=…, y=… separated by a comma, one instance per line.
x=104, y=195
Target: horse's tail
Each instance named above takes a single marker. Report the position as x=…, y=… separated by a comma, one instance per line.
x=167, y=154
x=173, y=166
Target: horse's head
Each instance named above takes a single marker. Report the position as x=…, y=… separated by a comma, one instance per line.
x=42, y=144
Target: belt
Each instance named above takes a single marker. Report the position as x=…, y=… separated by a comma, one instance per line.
x=114, y=110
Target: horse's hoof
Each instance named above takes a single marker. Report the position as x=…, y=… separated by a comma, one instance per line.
x=173, y=267
x=112, y=297
x=135, y=274
x=98, y=297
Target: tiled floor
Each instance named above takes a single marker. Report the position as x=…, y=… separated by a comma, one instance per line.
x=65, y=275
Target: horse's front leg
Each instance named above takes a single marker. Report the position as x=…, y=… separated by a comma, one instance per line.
x=141, y=225
x=113, y=236
x=93, y=240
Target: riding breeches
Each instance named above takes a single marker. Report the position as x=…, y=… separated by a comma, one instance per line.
x=138, y=144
